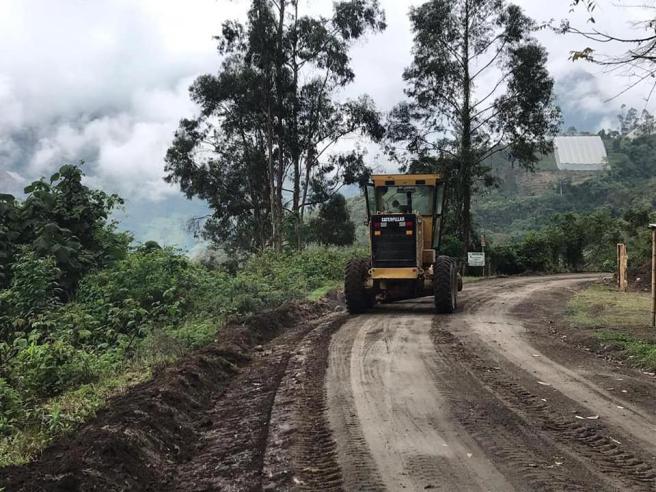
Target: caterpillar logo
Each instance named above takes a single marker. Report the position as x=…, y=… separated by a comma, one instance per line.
x=393, y=219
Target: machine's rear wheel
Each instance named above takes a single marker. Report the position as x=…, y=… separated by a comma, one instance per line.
x=445, y=285
x=358, y=300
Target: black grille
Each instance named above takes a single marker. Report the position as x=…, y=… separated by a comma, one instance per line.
x=393, y=247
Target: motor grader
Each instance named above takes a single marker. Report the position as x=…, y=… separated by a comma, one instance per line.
x=405, y=223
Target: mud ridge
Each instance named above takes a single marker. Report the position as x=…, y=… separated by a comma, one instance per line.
x=301, y=451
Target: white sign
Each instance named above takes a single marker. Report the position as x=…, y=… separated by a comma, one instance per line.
x=476, y=259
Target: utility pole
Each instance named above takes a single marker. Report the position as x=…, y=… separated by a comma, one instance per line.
x=653, y=275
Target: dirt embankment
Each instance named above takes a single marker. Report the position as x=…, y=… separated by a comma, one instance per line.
x=199, y=425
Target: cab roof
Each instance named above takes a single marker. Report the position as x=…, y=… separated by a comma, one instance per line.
x=405, y=179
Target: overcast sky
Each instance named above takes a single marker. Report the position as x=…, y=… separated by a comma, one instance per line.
x=106, y=80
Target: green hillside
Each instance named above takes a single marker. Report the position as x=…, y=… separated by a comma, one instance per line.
x=525, y=201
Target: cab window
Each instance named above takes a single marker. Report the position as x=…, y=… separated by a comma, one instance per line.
x=405, y=199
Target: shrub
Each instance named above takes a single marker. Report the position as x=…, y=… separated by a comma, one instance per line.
x=44, y=370
x=33, y=290
x=505, y=260
x=535, y=253
x=33, y=287
x=149, y=286
x=10, y=406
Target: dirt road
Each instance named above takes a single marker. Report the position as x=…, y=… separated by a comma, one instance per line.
x=474, y=401
x=497, y=396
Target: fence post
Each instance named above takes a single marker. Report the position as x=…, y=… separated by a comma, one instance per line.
x=622, y=263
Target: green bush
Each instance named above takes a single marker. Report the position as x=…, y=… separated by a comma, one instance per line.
x=10, y=407
x=33, y=287
x=45, y=370
x=505, y=260
x=536, y=253
x=63, y=219
x=149, y=286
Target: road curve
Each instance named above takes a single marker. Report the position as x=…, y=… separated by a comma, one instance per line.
x=466, y=402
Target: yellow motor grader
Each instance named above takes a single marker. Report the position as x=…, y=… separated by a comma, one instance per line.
x=405, y=223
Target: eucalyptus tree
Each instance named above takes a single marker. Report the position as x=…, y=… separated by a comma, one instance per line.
x=478, y=85
x=261, y=151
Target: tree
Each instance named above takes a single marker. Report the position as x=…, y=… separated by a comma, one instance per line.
x=63, y=219
x=634, y=123
x=628, y=119
x=478, y=85
x=260, y=150
x=333, y=224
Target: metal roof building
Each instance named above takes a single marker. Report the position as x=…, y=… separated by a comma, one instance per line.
x=581, y=153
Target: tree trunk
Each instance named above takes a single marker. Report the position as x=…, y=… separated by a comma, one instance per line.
x=296, y=151
x=280, y=102
x=466, y=140
x=271, y=175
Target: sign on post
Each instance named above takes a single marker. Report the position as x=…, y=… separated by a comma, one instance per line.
x=476, y=259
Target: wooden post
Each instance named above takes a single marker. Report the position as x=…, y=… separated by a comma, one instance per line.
x=619, y=266
x=622, y=264
x=653, y=275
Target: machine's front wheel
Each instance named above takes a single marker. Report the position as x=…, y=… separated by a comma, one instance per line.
x=445, y=285
x=358, y=300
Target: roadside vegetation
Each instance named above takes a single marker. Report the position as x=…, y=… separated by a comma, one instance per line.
x=618, y=321
x=83, y=315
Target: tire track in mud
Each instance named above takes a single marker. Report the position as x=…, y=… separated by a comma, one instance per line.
x=230, y=450
x=359, y=471
x=390, y=418
x=608, y=451
x=527, y=458
x=413, y=396
x=247, y=436
x=300, y=451
x=588, y=445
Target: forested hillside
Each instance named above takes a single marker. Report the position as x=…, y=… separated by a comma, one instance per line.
x=629, y=184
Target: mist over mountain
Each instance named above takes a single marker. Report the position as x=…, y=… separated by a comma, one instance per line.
x=582, y=102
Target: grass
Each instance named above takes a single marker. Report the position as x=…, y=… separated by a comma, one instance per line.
x=619, y=319
x=323, y=291
x=642, y=352
x=64, y=413
x=603, y=307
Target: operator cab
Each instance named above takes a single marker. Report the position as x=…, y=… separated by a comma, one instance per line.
x=405, y=224
x=405, y=216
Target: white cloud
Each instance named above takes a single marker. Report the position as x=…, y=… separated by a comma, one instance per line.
x=103, y=81
x=106, y=80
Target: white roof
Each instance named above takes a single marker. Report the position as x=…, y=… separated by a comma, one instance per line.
x=584, y=153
